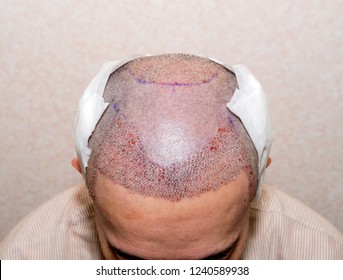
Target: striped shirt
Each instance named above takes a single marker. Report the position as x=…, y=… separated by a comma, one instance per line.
x=280, y=228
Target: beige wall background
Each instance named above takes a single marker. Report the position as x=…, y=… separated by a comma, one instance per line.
x=49, y=51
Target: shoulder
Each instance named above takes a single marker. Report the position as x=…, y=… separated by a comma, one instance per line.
x=55, y=229
x=282, y=227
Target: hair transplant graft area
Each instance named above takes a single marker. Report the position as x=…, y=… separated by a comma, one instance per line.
x=167, y=132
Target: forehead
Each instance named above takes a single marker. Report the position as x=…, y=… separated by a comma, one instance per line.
x=138, y=224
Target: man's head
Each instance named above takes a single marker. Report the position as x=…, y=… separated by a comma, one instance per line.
x=172, y=170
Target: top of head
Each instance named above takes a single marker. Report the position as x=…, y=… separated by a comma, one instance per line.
x=177, y=103
x=166, y=121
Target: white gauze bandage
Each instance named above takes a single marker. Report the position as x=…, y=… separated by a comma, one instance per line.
x=91, y=108
x=248, y=103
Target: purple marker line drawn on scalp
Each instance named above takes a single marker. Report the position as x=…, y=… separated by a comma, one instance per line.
x=230, y=121
x=116, y=107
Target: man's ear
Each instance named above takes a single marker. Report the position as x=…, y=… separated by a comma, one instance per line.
x=76, y=164
x=269, y=161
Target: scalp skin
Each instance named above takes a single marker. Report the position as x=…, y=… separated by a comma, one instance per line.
x=167, y=132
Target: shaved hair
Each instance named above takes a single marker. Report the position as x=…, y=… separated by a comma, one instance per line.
x=167, y=132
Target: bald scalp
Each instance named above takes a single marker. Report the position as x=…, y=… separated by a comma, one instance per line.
x=167, y=132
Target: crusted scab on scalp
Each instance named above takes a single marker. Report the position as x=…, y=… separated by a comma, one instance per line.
x=167, y=132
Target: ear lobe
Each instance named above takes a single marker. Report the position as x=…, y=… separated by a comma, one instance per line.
x=76, y=164
x=269, y=161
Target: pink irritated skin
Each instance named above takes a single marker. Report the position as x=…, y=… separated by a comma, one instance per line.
x=125, y=162
x=172, y=144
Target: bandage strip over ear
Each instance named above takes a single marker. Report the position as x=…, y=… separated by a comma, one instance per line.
x=248, y=103
x=91, y=108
